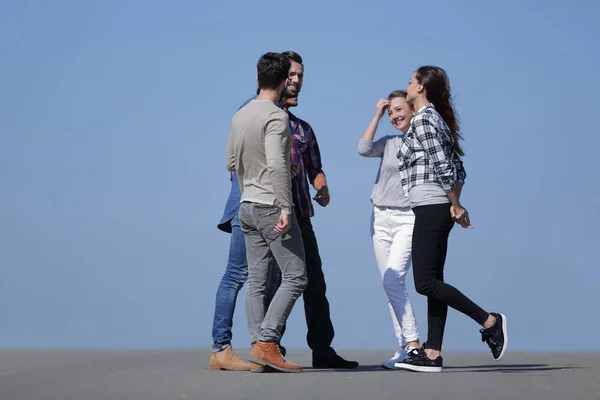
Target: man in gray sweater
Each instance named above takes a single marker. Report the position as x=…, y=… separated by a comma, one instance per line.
x=258, y=150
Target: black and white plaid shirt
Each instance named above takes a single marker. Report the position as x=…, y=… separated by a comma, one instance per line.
x=427, y=153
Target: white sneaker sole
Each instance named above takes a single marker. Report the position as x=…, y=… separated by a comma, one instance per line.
x=390, y=364
x=417, y=368
x=505, y=333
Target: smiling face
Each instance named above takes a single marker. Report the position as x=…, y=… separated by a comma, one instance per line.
x=400, y=113
x=294, y=84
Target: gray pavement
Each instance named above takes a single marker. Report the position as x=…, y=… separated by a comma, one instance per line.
x=184, y=374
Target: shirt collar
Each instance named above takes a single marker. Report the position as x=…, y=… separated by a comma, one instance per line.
x=428, y=105
x=293, y=119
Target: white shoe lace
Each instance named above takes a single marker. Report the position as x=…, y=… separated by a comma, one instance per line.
x=400, y=355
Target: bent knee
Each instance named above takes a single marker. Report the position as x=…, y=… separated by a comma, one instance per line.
x=297, y=280
x=393, y=283
x=425, y=287
x=302, y=282
x=238, y=278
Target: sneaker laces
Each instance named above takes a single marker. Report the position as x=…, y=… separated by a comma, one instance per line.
x=488, y=337
x=415, y=352
x=409, y=348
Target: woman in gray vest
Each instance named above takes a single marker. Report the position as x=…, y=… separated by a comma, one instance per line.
x=392, y=220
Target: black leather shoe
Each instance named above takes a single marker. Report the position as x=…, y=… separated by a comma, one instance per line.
x=332, y=361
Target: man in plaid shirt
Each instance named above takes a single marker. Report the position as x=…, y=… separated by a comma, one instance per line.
x=306, y=168
x=306, y=158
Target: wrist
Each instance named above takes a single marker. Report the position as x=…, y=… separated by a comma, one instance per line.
x=454, y=198
x=321, y=188
x=286, y=210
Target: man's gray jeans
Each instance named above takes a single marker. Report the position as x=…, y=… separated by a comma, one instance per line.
x=262, y=246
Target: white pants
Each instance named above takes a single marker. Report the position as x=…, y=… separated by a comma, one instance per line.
x=391, y=230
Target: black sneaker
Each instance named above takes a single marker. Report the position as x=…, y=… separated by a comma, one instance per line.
x=496, y=337
x=332, y=360
x=418, y=361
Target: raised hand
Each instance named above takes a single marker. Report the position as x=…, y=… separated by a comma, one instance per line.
x=381, y=106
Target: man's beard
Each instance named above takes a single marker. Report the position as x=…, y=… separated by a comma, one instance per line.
x=287, y=95
x=283, y=100
x=291, y=94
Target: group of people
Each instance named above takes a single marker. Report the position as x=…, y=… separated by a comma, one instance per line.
x=274, y=157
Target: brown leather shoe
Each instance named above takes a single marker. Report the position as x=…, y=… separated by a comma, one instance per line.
x=254, y=367
x=226, y=360
x=267, y=354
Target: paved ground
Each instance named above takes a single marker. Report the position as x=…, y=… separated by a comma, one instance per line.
x=150, y=375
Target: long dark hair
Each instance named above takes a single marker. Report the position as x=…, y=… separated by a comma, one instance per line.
x=437, y=85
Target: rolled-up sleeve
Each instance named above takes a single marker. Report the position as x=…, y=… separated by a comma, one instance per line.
x=461, y=173
x=369, y=148
x=313, y=156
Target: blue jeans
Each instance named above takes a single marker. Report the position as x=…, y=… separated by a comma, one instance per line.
x=232, y=282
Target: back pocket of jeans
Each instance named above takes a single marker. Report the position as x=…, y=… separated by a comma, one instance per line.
x=264, y=211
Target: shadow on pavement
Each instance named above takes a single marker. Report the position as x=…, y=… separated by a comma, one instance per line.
x=508, y=368
x=504, y=368
x=361, y=368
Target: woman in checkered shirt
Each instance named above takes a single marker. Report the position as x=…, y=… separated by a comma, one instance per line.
x=432, y=178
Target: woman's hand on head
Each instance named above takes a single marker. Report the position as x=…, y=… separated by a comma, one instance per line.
x=381, y=106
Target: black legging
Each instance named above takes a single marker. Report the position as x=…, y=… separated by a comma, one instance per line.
x=433, y=224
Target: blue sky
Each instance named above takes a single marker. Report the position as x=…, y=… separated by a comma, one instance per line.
x=114, y=119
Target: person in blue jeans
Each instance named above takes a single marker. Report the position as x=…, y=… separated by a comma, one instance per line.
x=306, y=166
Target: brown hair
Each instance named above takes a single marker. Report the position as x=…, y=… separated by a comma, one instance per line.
x=397, y=93
x=293, y=56
x=437, y=85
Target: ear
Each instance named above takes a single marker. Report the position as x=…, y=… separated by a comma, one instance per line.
x=257, y=80
x=420, y=88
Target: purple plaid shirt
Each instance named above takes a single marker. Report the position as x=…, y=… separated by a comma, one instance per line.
x=305, y=153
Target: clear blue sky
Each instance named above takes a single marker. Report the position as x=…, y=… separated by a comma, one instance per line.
x=114, y=119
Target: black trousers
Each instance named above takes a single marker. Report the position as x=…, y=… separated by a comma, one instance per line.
x=433, y=224
x=320, y=330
